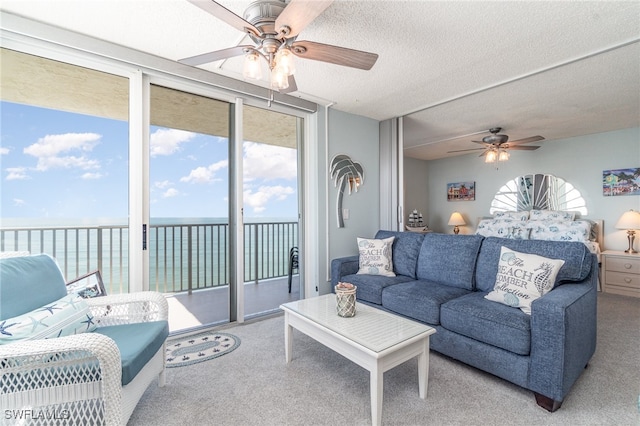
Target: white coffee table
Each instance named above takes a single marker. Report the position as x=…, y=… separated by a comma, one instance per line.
x=374, y=339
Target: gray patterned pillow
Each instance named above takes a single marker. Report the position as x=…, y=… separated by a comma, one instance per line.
x=522, y=278
x=376, y=256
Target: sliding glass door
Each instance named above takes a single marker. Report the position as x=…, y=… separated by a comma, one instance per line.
x=271, y=212
x=64, y=149
x=106, y=171
x=188, y=232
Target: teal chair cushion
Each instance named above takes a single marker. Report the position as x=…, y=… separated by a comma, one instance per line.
x=28, y=283
x=138, y=343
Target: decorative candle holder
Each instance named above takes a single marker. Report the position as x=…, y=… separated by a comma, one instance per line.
x=346, y=299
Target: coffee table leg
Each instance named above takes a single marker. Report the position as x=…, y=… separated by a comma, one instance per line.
x=423, y=369
x=377, y=381
x=288, y=338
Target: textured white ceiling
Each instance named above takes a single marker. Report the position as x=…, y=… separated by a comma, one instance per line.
x=553, y=68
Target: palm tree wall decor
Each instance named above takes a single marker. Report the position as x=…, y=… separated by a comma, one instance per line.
x=344, y=170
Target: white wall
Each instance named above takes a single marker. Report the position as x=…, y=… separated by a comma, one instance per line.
x=357, y=137
x=580, y=161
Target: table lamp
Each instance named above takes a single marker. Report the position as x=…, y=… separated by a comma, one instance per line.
x=630, y=221
x=456, y=220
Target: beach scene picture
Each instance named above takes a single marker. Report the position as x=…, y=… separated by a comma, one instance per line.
x=461, y=191
x=621, y=182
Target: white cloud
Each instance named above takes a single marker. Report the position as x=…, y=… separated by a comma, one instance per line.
x=167, y=141
x=46, y=163
x=162, y=184
x=269, y=162
x=48, y=151
x=17, y=202
x=204, y=174
x=171, y=192
x=16, y=173
x=4, y=151
x=90, y=176
x=259, y=199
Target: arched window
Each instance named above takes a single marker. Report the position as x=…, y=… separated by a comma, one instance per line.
x=538, y=192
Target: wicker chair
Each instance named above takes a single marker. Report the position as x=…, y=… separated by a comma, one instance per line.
x=78, y=379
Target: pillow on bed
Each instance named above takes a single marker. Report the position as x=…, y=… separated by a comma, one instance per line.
x=561, y=231
x=521, y=216
x=376, y=256
x=523, y=278
x=593, y=228
x=503, y=228
x=536, y=215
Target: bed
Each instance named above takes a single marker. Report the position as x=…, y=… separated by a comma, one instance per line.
x=550, y=225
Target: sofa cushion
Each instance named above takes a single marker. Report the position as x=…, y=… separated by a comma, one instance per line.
x=138, y=343
x=449, y=259
x=406, y=248
x=493, y=323
x=420, y=300
x=375, y=256
x=370, y=286
x=37, y=276
x=523, y=278
x=66, y=316
x=576, y=256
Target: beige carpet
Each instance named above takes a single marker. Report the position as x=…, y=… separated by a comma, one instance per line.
x=254, y=386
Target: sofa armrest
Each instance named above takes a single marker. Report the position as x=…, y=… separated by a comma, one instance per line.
x=87, y=366
x=563, y=335
x=343, y=266
x=144, y=306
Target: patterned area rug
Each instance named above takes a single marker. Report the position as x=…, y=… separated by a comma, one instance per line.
x=200, y=347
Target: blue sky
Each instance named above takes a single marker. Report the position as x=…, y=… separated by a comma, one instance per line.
x=57, y=164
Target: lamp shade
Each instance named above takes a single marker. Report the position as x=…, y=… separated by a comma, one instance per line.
x=491, y=156
x=629, y=220
x=252, y=66
x=284, y=61
x=456, y=219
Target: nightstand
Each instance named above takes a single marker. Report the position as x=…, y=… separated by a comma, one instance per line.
x=621, y=273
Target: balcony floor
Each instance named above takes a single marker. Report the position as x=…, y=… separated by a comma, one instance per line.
x=211, y=306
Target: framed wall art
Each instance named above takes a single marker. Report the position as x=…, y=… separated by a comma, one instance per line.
x=461, y=191
x=88, y=285
x=621, y=182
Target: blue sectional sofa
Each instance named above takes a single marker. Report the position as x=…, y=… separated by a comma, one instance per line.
x=441, y=280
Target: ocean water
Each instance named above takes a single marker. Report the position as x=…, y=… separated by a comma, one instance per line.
x=184, y=253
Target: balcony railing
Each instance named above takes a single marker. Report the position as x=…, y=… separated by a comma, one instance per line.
x=182, y=257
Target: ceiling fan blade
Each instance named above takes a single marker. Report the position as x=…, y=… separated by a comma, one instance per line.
x=216, y=56
x=292, y=86
x=226, y=16
x=524, y=148
x=297, y=15
x=526, y=140
x=464, y=150
x=334, y=54
x=483, y=143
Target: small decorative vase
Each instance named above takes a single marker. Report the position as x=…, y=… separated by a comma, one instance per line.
x=346, y=299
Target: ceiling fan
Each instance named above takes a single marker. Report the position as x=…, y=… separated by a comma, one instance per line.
x=496, y=145
x=274, y=25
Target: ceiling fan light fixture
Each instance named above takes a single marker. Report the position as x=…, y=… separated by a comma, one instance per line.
x=285, y=61
x=252, y=66
x=491, y=156
x=279, y=79
x=504, y=155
